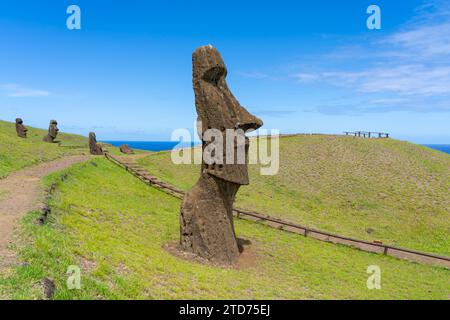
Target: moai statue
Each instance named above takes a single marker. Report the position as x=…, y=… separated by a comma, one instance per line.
x=126, y=149
x=21, y=129
x=52, y=132
x=95, y=147
x=206, y=219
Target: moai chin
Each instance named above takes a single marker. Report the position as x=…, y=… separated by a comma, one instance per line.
x=206, y=219
x=20, y=128
x=52, y=132
x=94, y=147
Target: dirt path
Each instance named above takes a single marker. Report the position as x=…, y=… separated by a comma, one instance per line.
x=20, y=193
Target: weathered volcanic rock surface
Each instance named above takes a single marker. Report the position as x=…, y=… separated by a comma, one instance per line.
x=21, y=129
x=126, y=149
x=95, y=148
x=52, y=132
x=206, y=220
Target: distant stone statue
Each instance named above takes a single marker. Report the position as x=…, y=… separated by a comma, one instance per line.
x=21, y=129
x=206, y=219
x=126, y=149
x=94, y=147
x=52, y=132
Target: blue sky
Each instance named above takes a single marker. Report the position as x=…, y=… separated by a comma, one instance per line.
x=302, y=66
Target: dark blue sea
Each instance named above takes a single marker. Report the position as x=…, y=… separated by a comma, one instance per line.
x=441, y=147
x=150, y=145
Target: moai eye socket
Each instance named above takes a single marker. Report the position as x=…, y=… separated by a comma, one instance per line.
x=214, y=74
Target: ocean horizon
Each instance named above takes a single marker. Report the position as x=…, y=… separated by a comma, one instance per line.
x=440, y=147
x=157, y=146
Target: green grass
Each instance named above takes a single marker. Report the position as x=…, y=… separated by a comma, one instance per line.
x=17, y=153
x=114, y=227
x=347, y=186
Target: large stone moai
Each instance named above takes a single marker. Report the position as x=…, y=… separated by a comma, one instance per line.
x=21, y=129
x=52, y=132
x=94, y=147
x=206, y=219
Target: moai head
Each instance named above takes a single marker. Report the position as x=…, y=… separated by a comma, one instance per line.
x=20, y=128
x=92, y=141
x=94, y=147
x=217, y=108
x=53, y=129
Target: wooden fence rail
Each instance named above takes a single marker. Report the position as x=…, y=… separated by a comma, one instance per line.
x=368, y=134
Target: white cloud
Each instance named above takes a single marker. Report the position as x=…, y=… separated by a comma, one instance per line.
x=307, y=77
x=403, y=80
x=273, y=113
x=18, y=91
x=259, y=75
x=406, y=70
x=254, y=75
x=422, y=43
x=387, y=101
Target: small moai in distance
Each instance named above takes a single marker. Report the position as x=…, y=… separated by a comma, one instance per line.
x=20, y=128
x=94, y=147
x=52, y=132
x=206, y=217
x=126, y=149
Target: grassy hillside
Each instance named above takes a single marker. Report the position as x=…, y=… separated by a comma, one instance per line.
x=17, y=153
x=385, y=190
x=118, y=241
